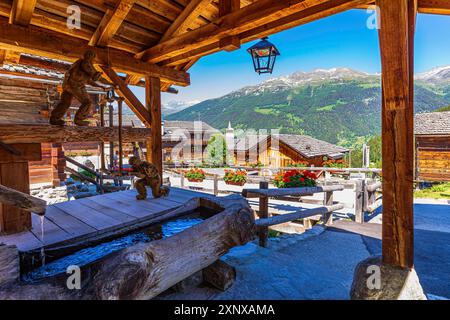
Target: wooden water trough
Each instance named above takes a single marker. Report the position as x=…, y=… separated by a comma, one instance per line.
x=146, y=269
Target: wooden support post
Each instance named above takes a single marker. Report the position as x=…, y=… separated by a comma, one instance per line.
x=119, y=102
x=216, y=184
x=102, y=144
x=328, y=201
x=153, y=104
x=58, y=163
x=220, y=275
x=263, y=213
x=182, y=181
x=396, y=35
x=111, y=143
x=14, y=174
x=359, y=201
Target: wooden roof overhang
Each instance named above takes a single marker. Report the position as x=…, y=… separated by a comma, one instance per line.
x=160, y=38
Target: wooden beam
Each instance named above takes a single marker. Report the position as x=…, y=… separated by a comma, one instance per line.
x=153, y=104
x=22, y=12
x=230, y=43
x=396, y=35
x=246, y=19
x=424, y=6
x=227, y=25
x=130, y=99
x=434, y=6
x=228, y=6
x=183, y=22
x=22, y=200
x=259, y=29
x=39, y=41
x=35, y=133
x=110, y=23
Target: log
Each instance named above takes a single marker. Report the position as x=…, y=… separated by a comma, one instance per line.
x=22, y=200
x=147, y=269
x=32, y=133
x=220, y=275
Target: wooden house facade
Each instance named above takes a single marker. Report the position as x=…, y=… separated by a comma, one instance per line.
x=432, y=135
x=284, y=150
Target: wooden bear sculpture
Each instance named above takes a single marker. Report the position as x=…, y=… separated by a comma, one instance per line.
x=149, y=177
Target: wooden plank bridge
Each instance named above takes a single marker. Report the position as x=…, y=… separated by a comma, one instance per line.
x=95, y=216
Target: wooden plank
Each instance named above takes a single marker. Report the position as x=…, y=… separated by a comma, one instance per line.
x=128, y=199
x=111, y=22
x=130, y=99
x=52, y=233
x=109, y=210
x=91, y=217
x=51, y=44
x=67, y=222
x=39, y=133
x=25, y=241
x=22, y=11
x=153, y=104
x=396, y=43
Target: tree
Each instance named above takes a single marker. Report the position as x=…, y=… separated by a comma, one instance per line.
x=217, y=151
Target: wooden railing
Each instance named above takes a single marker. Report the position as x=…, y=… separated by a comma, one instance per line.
x=265, y=220
x=366, y=200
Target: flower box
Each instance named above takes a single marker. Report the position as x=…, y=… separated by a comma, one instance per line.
x=295, y=179
x=235, y=183
x=195, y=180
x=195, y=175
x=235, y=178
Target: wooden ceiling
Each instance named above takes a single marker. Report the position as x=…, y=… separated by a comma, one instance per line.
x=163, y=37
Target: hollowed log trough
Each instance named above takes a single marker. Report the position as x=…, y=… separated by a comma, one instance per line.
x=145, y=270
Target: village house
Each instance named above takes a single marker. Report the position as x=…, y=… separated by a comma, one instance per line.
x=284, y=150
x=432, y=137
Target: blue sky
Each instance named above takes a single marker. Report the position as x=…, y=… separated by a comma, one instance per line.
x=343, y=40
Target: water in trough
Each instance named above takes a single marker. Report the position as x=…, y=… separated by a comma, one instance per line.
x=91, y=254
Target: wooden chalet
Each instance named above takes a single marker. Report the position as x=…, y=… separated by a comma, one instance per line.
x=432, y=133
x=154, y=43
x=284, y=150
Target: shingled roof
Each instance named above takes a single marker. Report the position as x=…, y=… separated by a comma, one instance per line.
x=432, y=123
x=307, y=146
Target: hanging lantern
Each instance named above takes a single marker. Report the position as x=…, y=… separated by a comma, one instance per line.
x=263, y=54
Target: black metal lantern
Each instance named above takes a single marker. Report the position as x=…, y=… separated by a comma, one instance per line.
x=264, y=55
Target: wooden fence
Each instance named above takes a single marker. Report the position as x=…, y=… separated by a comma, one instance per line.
x=265, y=220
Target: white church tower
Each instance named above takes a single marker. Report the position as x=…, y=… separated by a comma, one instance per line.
x=229, y=139
x=229, y=136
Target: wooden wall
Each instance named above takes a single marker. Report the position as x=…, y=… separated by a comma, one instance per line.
x=25, y=101
x=433, y=158
x=283, y=156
